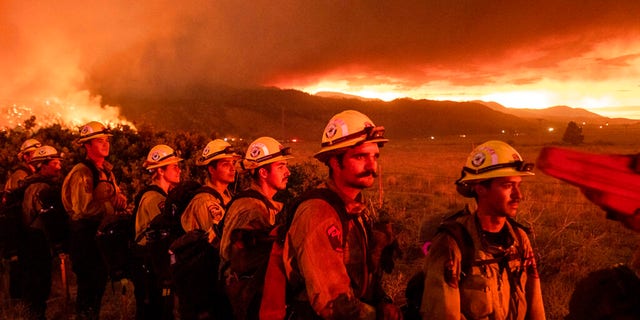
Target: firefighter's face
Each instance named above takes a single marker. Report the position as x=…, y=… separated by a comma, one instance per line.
x=171, y=173
x=98, y=147
x=501, y=198
x=51, y=168
x=359, y=166
x=277, y=176
x=223, y=171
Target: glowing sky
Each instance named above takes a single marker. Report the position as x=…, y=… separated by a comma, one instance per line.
x=518, y=53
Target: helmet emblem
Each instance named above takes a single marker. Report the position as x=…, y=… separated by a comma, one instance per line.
x=85, y=130
x=255, y=151
x=42, y=152
x=331, y=130
x=155, y=156
x=478, y=159
x=205, y=151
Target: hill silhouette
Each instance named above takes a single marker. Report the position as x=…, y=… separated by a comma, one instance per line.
x=286, y=114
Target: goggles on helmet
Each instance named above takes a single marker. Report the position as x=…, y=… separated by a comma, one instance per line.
x=103, y=131
x=283, y=152
x=172, y=154
x=226, y=150
x=519, y=166
x=369, y=132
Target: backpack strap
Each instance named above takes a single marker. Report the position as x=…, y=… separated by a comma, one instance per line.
x=213, y=192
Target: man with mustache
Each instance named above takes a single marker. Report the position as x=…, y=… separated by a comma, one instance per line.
x=331, y=249
x=246, y=244
x=481, y=264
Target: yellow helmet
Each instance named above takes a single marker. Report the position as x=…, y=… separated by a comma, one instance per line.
x=160, y=156
x=215, y=150
x=45, y=153
x=348, y=129
x=28, y=146
x=264, y=150
x=491, y=159
x=92, y=130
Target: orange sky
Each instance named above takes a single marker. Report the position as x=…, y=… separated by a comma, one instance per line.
x=518, y=53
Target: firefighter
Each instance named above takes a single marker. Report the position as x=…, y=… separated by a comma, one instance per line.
x=162, y=162
x=90, y=194
x=252, y=214
x=329, y=251
x=206, y=209
x=487, y=269
x=44, y=220
x=24, y=168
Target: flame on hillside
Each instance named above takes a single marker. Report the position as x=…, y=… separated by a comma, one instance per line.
x=70, y=112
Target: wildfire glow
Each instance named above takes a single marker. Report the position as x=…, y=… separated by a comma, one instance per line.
x=70, y=112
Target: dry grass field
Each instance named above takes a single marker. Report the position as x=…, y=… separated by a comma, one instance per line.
x=571, y=235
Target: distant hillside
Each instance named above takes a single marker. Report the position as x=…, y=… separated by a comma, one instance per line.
x=289, y=113
x=557, y=113
x=340, y=95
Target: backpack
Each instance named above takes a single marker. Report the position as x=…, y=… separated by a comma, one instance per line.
x=275, y=296
x=52, y=220
x=12, y=230
x=165, y=228
x=415, y=285
x=194, y=270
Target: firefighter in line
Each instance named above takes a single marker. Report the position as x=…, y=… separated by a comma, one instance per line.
x=328, y=250
x=23, y=169
x=499, y=280
x=162, y=163
x=246, y=243
x=44, y=219
x=206, y=209
x=88, y=201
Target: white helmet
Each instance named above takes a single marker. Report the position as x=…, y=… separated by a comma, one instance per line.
x=45, y=153
x=28, y=146
x=215, y=150
x=348, y=129
x=160, y=156
x=491, y=159
x=264, y=150
x=92, y=130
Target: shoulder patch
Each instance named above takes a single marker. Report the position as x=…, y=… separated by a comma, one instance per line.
x=335, y=237
x=161, y=205
x=215, y=211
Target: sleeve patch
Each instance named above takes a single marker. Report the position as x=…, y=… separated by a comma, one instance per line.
x=335, y=237
x=215, y=211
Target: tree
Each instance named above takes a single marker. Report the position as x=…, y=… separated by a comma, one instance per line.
x=573, y=134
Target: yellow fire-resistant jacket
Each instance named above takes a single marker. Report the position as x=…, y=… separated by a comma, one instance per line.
x=314, y=257
x=82, y=200
x=247, y=215
x=488, y=291
x=151, y=204
x=204, y=211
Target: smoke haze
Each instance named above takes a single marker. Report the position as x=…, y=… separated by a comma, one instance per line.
x=76, y=52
